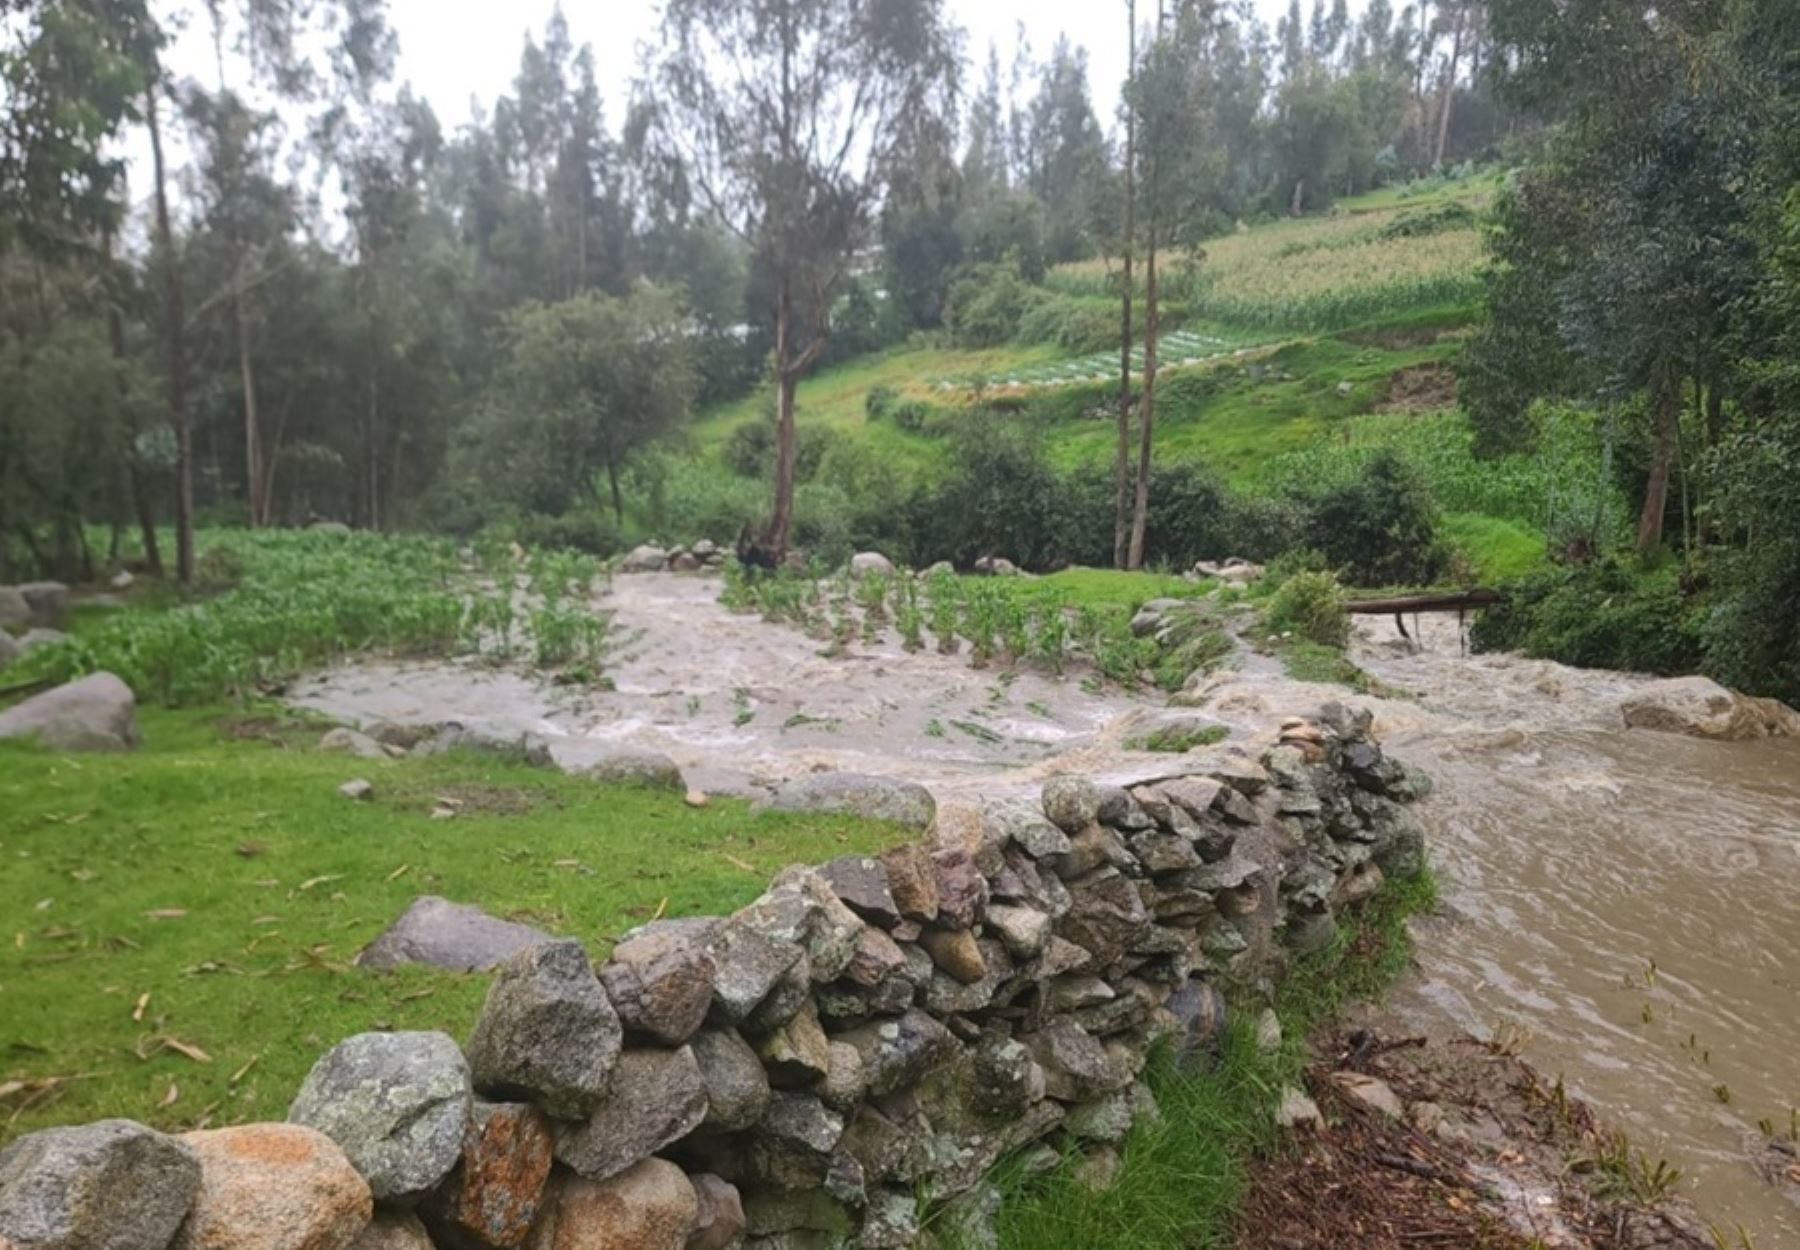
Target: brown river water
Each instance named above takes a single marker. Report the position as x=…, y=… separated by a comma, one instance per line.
x=1623, y=906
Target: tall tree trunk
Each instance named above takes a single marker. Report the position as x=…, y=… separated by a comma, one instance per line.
x=1122, y=465
x=253, y=451
x=1667, y=412
x=177, y=346
x=1140, y=517
x=134, y=467
x=1449, y=101
x=787, y=381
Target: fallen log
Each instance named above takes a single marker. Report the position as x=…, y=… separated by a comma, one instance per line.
x=1455, y=601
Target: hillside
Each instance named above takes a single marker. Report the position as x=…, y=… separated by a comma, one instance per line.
x=1287, y=345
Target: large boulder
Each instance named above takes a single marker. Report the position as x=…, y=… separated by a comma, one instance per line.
x=15, y=612
x=398, y=1104
x=869, y=563
x=49, y=604
x=652, y=1206
x=854, y=794
x=633, y=766
x=493, y=1197
x=114, y=1185
x=454, y=936
x=274, y=1187
x=644, y=559
x=1702, y=708
x=658, y=1097
x=97, y=713
x=660, y=979
x=548, y=1032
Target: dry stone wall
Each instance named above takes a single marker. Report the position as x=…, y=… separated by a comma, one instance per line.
x=795, y=1075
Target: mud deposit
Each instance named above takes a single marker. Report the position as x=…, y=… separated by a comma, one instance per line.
x=742, y=705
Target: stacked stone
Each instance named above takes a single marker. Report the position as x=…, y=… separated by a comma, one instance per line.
x=797, y=1074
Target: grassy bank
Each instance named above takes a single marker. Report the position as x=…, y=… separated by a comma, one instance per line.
x=1185, y=1174
x=180, y=922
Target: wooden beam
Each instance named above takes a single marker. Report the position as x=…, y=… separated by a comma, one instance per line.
x=1455, y=601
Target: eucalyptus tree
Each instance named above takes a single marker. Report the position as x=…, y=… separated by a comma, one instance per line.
x=784, y=114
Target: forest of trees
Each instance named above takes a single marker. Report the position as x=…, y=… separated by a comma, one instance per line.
x=320, y=300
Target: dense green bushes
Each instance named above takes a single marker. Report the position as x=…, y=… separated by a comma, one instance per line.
x=1379, y=527
x=1605, y=615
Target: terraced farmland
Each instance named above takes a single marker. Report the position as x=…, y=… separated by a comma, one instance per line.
x=1176, y=349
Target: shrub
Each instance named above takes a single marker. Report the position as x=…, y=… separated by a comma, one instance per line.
x=989, y=303
x=1379, y=528
x=912, y=416
x=879, y=402
x=1312, y=606
x=1606, y=615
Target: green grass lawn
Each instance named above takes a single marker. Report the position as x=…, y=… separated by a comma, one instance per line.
x=219, y=872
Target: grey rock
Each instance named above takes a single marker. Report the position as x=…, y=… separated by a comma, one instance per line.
x=1199, y=1013
x=9, y=650
x=1007, y=1080
x=548, y=1032
x=48, y=603
x=971, y=1221
x=660, y=979
x=797, y=1055
x=846, y=1081
x=503, y=741
x=1071, y=803
x=1297, y=1111
x=737, y=1088
x=1106, y=915
x=866, y=563
x=748, y=967
x=896, y=1053
x=802, y=909
x=114, y=1185
x=361, y=790
x=1025, y=826
x=398, y=1105
x=1024, y=930
x=454, y=936
x=794, y=991
x=633, y=766
x=97, y=713
x=15, y=612
x=892, y=1220
x=345, y=741
x=862, y=884
x=854, y=794
x=645, y=559
x=1076, y=1066
x=793, y=1146
x=658, y=1097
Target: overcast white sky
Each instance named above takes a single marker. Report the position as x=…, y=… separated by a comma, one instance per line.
x=451, y=50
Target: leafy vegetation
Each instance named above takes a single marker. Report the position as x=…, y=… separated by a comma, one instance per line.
x=287, y=602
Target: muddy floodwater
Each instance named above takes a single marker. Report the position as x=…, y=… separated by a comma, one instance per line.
x=1623, y=906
